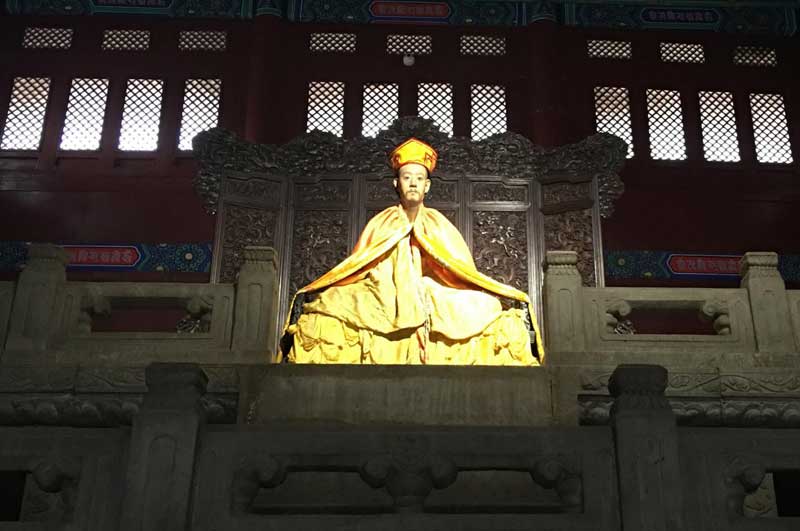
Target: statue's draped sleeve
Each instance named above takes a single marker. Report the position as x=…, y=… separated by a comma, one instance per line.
x=437, y=237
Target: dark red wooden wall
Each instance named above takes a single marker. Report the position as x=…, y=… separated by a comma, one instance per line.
x=108, y=196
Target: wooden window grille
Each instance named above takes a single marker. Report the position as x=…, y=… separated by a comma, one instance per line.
x=126, y=40
x=665, y=125
x=203, y=40
x=682, y=52
x=755, y=56
x=607, y=49
x=83, y=124
x=487, y=111
x=332, y=42
x=326, y=107
x=482, y=45
x=381, y=107
x=25, y=118
x=718, y=126
x=141, y=115
x=47, y=38
x=435, y=102
x=770, y=128
x=201, y=98
x=612, y=112
x=409, y=44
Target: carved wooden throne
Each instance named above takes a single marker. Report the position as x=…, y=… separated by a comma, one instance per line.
x=310, y=198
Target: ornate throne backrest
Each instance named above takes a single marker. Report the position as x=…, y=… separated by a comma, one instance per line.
x=310, y=199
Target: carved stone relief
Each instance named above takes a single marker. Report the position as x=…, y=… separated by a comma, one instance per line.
x=554, y=194
x=500, y=243
x=320, y=240
x=244, y=226
x=482, y=191
x=509, y=155
x=572, y=231
x=323, y=192
x=267, y=193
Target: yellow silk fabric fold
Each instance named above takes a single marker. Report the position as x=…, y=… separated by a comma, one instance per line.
x=441, y=242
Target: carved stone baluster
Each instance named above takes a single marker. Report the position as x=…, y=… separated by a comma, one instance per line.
x=256, y=303
x=651, y=492
x=163, y=447
x=563, y=294
x=768, y=302
x=36, y=313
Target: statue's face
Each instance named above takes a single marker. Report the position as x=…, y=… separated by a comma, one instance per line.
x=412, y=184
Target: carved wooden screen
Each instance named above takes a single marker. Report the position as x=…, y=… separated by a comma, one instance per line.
x=311, y=198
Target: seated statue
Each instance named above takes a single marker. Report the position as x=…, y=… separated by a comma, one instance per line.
x=410, y=293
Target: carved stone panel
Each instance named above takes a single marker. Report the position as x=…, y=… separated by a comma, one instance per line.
x=322, y=193
x=244, y=226
x=483, y=191
x=265, y=192
x=381, y=190
x=554, y=194
x=442, y=191
x=572, y=231
x=500, y=246
x=320, y=240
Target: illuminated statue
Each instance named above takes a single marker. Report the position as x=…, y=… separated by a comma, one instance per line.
x=410, y=293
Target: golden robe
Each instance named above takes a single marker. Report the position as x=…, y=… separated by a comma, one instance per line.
x=410, y=294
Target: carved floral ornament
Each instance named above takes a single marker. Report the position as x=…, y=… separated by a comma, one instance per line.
x=507, y=155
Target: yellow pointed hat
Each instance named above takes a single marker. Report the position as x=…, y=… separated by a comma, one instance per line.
x=413, y=150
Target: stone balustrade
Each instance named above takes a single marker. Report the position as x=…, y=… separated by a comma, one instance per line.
x=755, y=325
x=176, y=468
x=53, y=322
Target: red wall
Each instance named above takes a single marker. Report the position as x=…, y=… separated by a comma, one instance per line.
x=689, y=205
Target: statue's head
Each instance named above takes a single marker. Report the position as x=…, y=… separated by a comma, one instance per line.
x=413, y=161
x=412, y=183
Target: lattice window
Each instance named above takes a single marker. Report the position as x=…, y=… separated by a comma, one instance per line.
x=718, y=124
x=25, y=119
x=755, y=56
x=482, y=45
x=52, y=38
x=141, y=115
x=409, y=44
x=770, y=129
x=665, y=124
x=682, y=52
x=435, y=102
x=206, y=40
x=612, y=112
x=128, y=40
x=487, y=110
x=83, y=125
x=332, y=42
x=381, y=107
x=326, y=107
x=200, y=109
x=605, y=49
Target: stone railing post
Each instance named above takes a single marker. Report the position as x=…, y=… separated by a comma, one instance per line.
x=646, y=441
x=162, y=450
x=768, y=302
x=256, y=307
x=563, y=294
x=37, y=307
